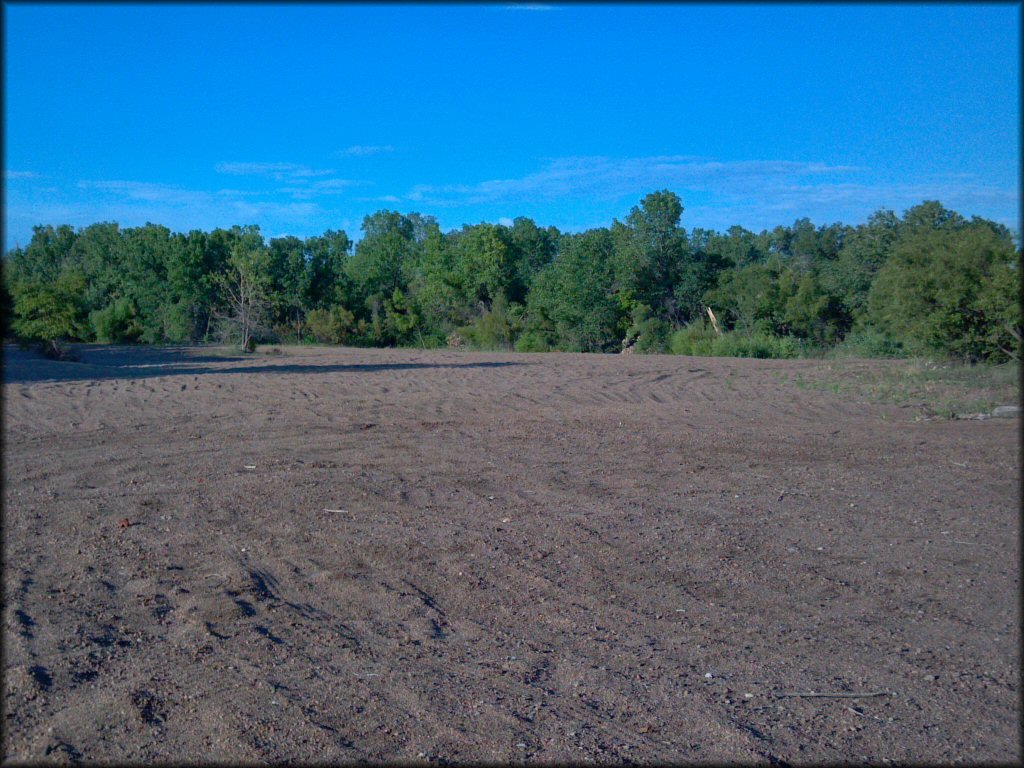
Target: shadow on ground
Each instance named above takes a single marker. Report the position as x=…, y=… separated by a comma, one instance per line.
x=97, y=362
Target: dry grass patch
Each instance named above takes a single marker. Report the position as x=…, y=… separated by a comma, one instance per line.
x=937, y=389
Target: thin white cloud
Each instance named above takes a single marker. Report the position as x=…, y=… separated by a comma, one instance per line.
x=165, y=196
x=609, y=178
x=129, y=201
x=133, y=203
x=150, y=192
x=252, y=211
x=381, y=199
x=320, y=188
x=18, y=175
x=227, y=192
x=365, y=150
x=754, y=193
x=815, y=201
x=277, y=171
x=529, y=7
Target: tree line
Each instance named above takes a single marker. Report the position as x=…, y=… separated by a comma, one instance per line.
x=929, y=282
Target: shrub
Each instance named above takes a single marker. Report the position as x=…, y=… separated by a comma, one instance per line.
x=652, y=336
x=694, y=339
x=532, y=341
x=331, y=326
x=760, y=345
x=697, y=339
x=494, y=329
x=650, y=332
x=117, y=322
x=869, y=342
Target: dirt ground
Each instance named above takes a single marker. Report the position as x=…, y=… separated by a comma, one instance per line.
x=339, y=555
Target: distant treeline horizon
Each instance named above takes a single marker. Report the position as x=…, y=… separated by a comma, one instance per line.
x=928, y=282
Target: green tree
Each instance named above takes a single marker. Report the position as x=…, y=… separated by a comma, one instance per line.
x=99, y=253
x=946, y=287
x=381, y=257
x=53, y=311
x=289, y=280
x=146, y=257
x=813, y=313
x=327, y=256
x=753, y=299
x=532, y=248
x=438, y=287
x=482, y=262
x=571, y=305
x=862, y=254
x=649, y=250
x=698, y=274
x=245, y=287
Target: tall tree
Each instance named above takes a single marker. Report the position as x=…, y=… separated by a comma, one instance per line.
x=245, y=287
x=571, y=306
x=649, y=251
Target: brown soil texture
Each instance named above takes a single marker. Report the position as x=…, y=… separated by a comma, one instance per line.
x=439, y=556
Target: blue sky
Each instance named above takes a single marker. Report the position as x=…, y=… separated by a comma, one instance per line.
x=306, y=118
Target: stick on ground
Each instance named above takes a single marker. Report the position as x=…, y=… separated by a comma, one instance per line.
x=812, y=694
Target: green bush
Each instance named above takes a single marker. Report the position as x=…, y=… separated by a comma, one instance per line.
x=697, y=339
x=955, y=293
x=694, y=339
x=649, y=331
x=494, y=329
x=652, y=336
x=869, y=342
x=532, y=341
x=117, y=322
x=760, y=345
x=331, y=326
x=46, y=311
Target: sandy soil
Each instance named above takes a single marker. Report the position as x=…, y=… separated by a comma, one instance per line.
x=335, y=554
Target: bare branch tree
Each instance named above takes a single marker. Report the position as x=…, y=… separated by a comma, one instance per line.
x=244, y=288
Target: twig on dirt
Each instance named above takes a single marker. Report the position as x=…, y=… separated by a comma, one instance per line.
x=858, y=713
x=792, y=493
x=339, y=511
x=813, y=695
x=972, y=544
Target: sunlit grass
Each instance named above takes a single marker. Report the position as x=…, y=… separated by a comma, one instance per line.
x=937, y=388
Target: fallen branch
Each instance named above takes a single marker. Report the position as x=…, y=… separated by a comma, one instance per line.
x=814, y=695
x=714, y=321
x=792, y=493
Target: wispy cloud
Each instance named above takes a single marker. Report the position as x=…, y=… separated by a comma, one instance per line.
x=818, y=200
x=608, y=178
x=17, y=175
x=365, y=150
x=150, y=192
x=529, y=7
x=277, y=171
x=381, y=199
x=755, y=193
x=320, y=188
x=263, y=209
x=133, y=203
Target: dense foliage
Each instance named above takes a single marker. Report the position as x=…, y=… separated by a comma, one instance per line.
x=929, y=282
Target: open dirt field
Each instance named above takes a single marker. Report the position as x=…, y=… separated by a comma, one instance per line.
x=335, y=555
